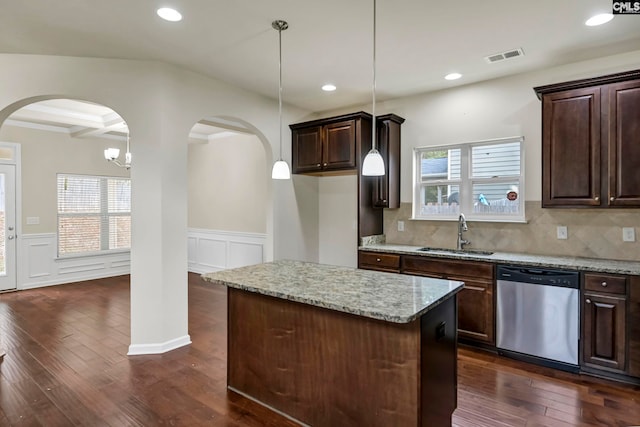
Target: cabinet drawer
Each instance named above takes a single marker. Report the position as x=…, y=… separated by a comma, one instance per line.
x=379, y=260
x=445, y=267
x=605, y=283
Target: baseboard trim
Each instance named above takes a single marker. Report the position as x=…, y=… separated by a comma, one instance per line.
x=142, y=349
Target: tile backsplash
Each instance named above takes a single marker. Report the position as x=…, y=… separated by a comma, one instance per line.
x=592, y=233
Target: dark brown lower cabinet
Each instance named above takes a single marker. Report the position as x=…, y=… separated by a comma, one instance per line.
x=476, y=307
x=604, y=308
x=379, y=261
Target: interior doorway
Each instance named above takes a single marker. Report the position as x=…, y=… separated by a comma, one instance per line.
x=8, y=247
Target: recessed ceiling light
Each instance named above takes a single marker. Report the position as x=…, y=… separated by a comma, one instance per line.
x=169, y=14
x=329, y=87
x=453, y=76
x=600, y=19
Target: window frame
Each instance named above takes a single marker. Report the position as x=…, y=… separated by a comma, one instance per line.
x=103, y=216
x=466, y=183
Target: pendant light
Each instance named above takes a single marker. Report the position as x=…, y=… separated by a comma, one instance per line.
x=373, y=164
x=280, y=168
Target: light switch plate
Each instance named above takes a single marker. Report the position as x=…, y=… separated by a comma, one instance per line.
x=400, y=225
x=628, y=234
x=562, y=232
x=33, y=220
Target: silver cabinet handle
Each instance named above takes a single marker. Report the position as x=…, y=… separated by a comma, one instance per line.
x=318, y=165
x=588, y=301
x=378, y=259
x=604, y=284
x=612, y=199
x=10, y=228
x=596, y=198
x=10, y=237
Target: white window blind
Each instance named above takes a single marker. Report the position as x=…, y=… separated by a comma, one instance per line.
x=94, y=214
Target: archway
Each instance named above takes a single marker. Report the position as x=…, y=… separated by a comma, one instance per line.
x=61, y=145
x=230, y=195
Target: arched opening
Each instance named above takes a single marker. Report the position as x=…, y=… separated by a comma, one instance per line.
x=229, y=199
x=72, y=207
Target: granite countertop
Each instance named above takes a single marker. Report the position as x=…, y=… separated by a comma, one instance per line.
x=574, y=263
x=385, y=296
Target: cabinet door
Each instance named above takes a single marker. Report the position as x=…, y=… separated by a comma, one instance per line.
x=604, y=343
x=386, y=189
x=306, y=149
x=624, y=143
x=339, y=149
x=381, y=183
x=476, y=310
x=571, y=148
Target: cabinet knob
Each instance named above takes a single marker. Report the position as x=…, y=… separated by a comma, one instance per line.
x=318, y=165
x=604, y=284
x=612, y=199
x=596, y=198
x=588, y=301
x=325, y=164
x=378, y=259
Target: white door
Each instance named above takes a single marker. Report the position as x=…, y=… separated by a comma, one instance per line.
x=7, y=227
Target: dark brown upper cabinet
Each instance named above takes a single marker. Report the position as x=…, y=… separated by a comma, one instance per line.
x=591, y=142
x=386, y=189
x=328, y=146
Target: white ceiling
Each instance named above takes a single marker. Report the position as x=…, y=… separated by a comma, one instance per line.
x=419, y=41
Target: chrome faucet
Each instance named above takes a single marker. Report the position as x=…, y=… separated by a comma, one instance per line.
x=462, y=226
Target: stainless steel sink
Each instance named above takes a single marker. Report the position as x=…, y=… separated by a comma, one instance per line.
x=456, y=251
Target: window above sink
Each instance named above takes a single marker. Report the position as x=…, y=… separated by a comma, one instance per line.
x=483, y=179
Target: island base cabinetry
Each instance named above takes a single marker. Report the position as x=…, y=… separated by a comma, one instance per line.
x=327, y=368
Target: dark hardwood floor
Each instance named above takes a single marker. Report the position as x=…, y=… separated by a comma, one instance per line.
x=66, y=365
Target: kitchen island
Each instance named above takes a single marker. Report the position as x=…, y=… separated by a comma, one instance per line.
x=329, y=346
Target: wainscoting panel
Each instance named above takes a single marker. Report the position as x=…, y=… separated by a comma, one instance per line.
x=208, y=250
x=39, y=265
x=215, y=250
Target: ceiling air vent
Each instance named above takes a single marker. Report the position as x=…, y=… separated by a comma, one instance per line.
x=497, y=57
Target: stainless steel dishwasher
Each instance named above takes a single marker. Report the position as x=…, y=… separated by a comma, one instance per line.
x=537, y=315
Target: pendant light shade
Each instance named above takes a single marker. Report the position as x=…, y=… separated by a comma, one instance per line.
x=280, y=168
x=373, y=164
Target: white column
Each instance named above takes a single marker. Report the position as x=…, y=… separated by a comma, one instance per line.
x=159, y=306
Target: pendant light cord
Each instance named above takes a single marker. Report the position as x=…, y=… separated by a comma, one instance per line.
x=280, y=87
x=373, y=109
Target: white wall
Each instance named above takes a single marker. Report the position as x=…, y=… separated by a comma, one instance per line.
x=160, y=104
x=338, y=209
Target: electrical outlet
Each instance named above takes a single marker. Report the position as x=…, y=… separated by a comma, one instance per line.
x=33, y=220
x=562, y=232
x=628, y=234
x=400, y=225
